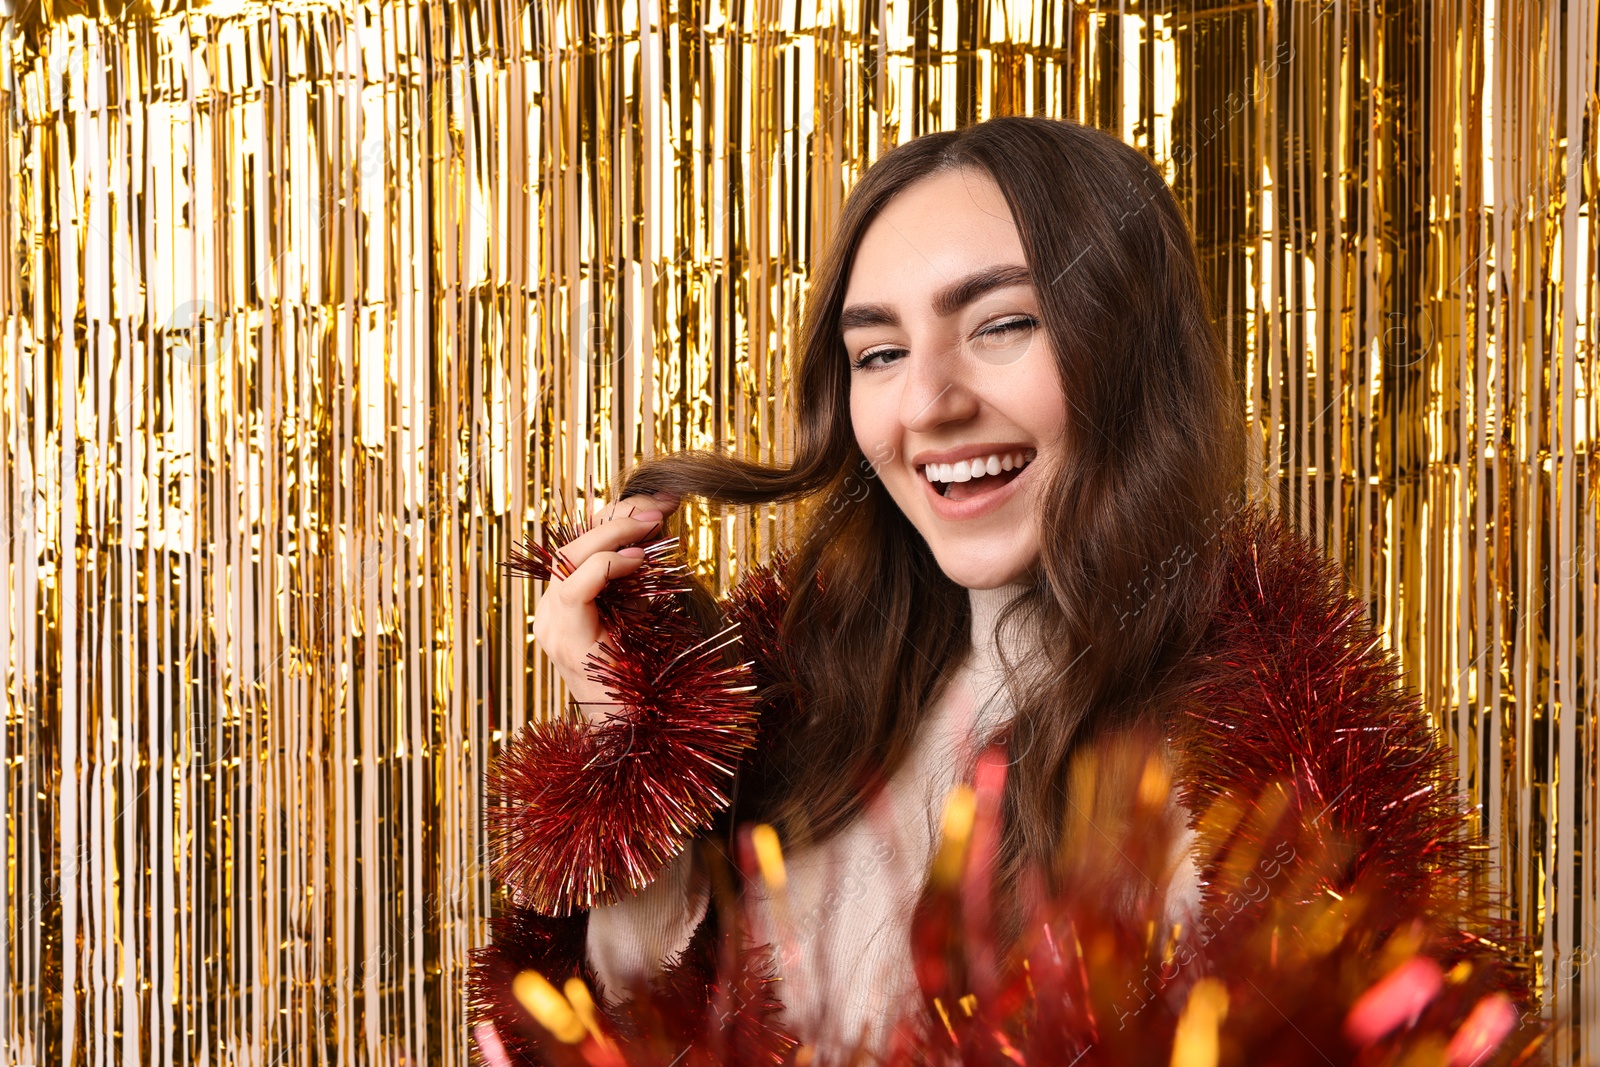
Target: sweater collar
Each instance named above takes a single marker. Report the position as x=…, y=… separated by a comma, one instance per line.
x=987, y=606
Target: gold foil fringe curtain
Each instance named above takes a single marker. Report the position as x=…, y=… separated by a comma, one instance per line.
x=311, y=309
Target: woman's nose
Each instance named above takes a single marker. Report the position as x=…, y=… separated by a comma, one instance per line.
x=936, y=387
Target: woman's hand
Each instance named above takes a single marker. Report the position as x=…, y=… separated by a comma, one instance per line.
x=566, y=623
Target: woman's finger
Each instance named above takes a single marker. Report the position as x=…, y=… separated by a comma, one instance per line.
x=630, y=520
x=613, y=534
x=593, y=574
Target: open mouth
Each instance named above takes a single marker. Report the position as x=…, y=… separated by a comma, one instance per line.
x=967, y=478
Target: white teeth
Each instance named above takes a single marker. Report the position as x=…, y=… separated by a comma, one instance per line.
x=966, y=470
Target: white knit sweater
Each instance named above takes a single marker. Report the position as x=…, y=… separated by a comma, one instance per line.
x=843, y=941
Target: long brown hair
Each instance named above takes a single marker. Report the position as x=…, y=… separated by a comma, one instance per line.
x=1152, y=454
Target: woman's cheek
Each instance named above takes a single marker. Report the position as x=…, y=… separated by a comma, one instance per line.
x=902, y=489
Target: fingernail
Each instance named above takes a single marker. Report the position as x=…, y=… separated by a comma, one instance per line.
x=632, y=552
x=646, y=516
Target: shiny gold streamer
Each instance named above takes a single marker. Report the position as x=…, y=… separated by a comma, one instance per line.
x=312, y=308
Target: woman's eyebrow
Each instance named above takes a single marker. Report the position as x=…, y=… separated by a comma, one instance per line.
x=857, y=315
x=957, y=295
x=947, y=301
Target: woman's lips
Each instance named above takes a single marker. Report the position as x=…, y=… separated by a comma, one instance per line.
x=977, y=505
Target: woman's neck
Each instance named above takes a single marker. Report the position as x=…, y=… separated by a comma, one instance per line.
x=987, y=607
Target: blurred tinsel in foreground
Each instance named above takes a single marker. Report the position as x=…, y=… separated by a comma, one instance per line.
x=1273, y=974
x=1338, y=920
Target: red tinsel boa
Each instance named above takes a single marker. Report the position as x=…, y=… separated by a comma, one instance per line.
x=1338, y=920
x=580, y=814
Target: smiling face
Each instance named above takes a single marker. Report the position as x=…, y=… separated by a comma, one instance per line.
x=954, y=391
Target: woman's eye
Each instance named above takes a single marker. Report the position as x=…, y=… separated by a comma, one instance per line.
x=1005, y=340
x=1008, y=326
x=868, y=358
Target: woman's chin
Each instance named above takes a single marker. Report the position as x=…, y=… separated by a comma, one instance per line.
x=970, y=573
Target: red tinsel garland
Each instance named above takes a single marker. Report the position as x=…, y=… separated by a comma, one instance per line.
x=582, y=813
x=1337, y=920
x=1294, y=699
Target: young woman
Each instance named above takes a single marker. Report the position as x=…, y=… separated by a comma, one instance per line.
x=1022, y=550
